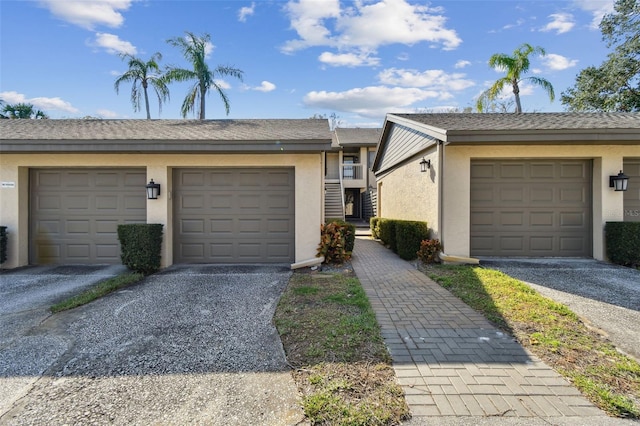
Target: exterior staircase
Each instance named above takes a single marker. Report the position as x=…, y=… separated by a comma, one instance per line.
x=333, y=201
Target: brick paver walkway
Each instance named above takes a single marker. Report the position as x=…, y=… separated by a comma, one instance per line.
x=449, y=359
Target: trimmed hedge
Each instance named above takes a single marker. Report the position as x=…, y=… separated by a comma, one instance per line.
x=409, y=235
x=401, y=236
x=623, y=242
x=141, y=246
x=3, y=243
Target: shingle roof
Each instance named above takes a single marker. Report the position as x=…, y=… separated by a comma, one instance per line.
x=527, y=127
x=358, y=136
x=528, y=121
x=188, y=136
x=211, y=130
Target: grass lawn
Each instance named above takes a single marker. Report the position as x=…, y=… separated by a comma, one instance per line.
x=551, y=331
x=333, y=341
x=101, y=289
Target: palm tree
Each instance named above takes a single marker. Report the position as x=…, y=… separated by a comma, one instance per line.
x=515, y=66
x=22, y=110
x=194, y=49
x=143, y=74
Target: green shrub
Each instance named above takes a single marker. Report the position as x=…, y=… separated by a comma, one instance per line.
x=429, y=250
x=409, y=234
x=349, y=233
x=623, y=242
x=388, y=233
x=374, y=225
x=333, y=244
x=141, y=246
x=3, y=243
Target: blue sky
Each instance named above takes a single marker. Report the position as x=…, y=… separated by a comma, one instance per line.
x=357, y=59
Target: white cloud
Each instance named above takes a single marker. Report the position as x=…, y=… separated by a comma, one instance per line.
x=223, y=84
x=437, y=80
x=348, y=59
x=89, y=14
x=105, y=113
x=246, y=11
x=42, y=103
x=395, y=21
x=404, y=56
x=358, y=30
x=518, y=23
x=308, y=20
x=265, y=86
x=373, y=101
x=558, y=62
x=597, y=8
x=462, y=63
x=112, y=44
x=560, y=23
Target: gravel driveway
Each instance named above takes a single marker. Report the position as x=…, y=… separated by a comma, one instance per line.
x=607, y=296
x=189, y=345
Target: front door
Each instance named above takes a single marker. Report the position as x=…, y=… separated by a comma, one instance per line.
x=352, y=203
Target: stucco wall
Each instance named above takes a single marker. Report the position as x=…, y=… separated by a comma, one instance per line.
x=14, y=205
x=407, y=193
x=607, y=204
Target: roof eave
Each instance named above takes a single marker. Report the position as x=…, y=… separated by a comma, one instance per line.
x=161, y=147
x=544, y=137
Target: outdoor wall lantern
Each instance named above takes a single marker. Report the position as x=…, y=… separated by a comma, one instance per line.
x=619, y=182
x=425, y=165
x=153, y=190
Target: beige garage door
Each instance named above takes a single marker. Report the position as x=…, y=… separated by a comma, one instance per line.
x=75, y=213
x=632, y=195
x=229, y=215
x=532, y=208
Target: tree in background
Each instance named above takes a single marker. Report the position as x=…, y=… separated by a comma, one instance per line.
x=22, y=110
x=515, y=66
x=144, y=74
x=615, y=84
x=194, y=49
x=334, y=120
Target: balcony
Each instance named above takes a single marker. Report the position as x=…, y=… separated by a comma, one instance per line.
x=353, y=176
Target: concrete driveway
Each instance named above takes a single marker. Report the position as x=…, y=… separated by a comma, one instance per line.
x=606, y=296
x=192, y=344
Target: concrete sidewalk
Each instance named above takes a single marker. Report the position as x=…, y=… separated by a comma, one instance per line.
x=453, y=365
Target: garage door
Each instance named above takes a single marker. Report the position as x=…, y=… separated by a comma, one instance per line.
x=632, y=195
x=234, y=215
x=531, y=208
x=75, y=213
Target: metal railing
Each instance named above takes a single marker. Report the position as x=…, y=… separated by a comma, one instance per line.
x=352, y=172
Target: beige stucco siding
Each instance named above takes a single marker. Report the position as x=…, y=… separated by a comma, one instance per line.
x=607, y=204
x=14, y=209
x=407, y=193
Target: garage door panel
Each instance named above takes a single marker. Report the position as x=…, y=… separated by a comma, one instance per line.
x=573, y=219
x=106, y=202
x=244, y=215
x=543, y=171
x=541, y=194
x=541, y=245
x=573, y=170
x=511, y=194
x=546, y=212
x=512, y=171
x=74, y=213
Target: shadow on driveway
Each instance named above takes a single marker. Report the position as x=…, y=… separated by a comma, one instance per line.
x=607, y=296
x=191, y=344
